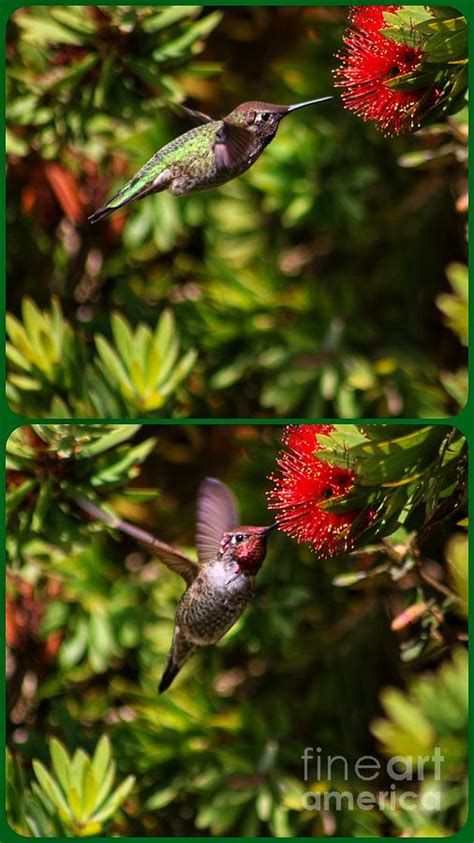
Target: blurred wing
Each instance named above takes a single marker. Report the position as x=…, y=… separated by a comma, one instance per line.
x=216, y=514
x=231, y=145
x=174, y=560
x=196, y=116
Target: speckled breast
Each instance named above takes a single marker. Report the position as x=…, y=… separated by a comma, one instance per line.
x=213, y=603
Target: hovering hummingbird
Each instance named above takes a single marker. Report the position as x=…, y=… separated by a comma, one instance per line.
x=219, y=586
x=211, y=154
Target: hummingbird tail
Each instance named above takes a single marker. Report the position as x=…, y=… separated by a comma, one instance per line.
x=171, y=670
x=124, y=196
x=181, y=651
x=141, y=185
x=100, y=214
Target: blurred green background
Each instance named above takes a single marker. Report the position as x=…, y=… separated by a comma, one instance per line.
x=361, y=654
x=329, y=280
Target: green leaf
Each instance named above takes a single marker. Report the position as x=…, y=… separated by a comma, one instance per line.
x=41, y=31
x=176, y=47
x=447, y=48
x=120, y=469
x=114, y=365
x=73, y=648
x=140, y=495
x=180, y=373
x=398, y=460
x=101, y=758
x=15, y=496
x=74, y=19
x=79, y=764
x=116, y=799
x=106, y=784
x=169, y=16
x=162, y=798
x=61, y=762
x=74, y=802
x=51, y=789
x=122, y=335
x=89, y=792
x=42, y=505
x=19, y=338
x=107, y=441
x=72, y=74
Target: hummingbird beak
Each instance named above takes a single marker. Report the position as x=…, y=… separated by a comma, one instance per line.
x=266, y=530
x=304, y=104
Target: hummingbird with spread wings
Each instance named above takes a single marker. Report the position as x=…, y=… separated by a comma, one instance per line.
x=210, y=154
x=219, y=586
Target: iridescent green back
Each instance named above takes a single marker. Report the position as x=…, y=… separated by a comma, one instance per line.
x=195, y=144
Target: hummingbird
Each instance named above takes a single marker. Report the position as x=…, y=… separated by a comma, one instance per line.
x=210, y=154
x=219, y=586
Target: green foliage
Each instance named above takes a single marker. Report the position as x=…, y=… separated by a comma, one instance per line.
x=47, y=464
x=76, y=798
x=406, y=486
x=118, y=60
x=134, y=374
x=308, y=286
x=90, y=617
x=399, y=472
x=432, y=713
x=454, y=305
x=458, y=561
x=441, y=34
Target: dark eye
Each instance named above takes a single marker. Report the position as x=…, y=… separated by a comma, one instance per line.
x=265, y=115
x=239, y=537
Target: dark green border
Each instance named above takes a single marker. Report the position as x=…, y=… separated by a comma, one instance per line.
x=464, y=421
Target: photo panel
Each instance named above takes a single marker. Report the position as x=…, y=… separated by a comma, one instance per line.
x=185, y=239
x=237, y=630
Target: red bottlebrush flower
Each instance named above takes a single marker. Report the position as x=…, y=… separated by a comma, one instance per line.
x=302, y=483
x=369, y=61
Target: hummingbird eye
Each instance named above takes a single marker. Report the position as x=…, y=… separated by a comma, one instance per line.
x=239, y=537
x=265, y=115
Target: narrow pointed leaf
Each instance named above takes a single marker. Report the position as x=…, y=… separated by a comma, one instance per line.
x=89, y=794
x=101, y=758
x=106, y=784
x=74, y=802
x=115, y=800
x=50, y=787
x=61, y=762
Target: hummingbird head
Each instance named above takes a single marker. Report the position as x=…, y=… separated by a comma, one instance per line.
x=246, y=546
x=263, y=118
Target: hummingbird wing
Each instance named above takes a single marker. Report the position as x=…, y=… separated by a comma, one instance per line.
x=173, y=559
x=216, y=514
x=197, y=116
x=232, y=143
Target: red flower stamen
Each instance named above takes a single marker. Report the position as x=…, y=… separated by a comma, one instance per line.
x=302, y=483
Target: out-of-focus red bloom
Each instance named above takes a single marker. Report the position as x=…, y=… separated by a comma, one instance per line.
x=302, y=483
x=369, y=61
x=24, y=614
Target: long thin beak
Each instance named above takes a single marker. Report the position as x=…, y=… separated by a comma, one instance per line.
x=265, y=530
x=304, y=104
